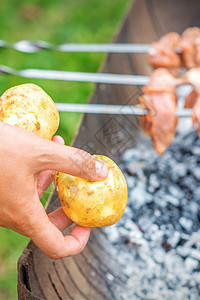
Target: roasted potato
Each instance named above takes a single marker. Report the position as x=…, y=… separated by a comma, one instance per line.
x=93, y=204
x=28, y=106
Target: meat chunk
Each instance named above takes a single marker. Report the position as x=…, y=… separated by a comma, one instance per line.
x=190, y=47
x=193, y=99
x=192, y=77
x=163, y=52
x=196, y=115
x=160, y=99
x=173, y=51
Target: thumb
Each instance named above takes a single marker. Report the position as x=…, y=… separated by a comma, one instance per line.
x=70, y=160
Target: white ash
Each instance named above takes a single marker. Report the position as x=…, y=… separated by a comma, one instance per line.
x=110, y=277
x=158, y=238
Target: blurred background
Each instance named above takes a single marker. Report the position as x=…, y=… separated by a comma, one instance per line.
x=60, y=21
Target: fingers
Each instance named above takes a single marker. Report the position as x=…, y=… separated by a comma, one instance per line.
x=59, y=219
x=41, y=155
x=50, y=239
x=58, y=139
x=46, y=177
x=43, y=182
x=72, y=161
x=77, y=240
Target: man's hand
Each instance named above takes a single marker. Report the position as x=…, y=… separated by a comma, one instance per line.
x=24, y=175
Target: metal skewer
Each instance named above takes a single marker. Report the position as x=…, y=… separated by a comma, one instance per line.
x=112, y=109
x=77, y=76
x=32, y=47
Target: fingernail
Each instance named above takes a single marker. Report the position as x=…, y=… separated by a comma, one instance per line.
x=101, y=170
x=58, y=139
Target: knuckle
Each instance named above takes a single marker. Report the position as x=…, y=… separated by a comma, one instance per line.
x=85, y=163
x=55, y=256
x=80, y=245
x=58, y=251
x=90, y=164
x=81, y=248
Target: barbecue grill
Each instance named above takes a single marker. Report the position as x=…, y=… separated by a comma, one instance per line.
x=96, y=273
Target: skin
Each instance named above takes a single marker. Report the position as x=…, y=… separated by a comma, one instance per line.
x=28, y=164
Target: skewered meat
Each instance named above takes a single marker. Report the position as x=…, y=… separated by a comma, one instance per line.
x=163, y=53
x=193, y=99
x=192, y=77
x=190, y=100
x=173, y=51
x=190, y=47
x=160, y=99
x=196, y=115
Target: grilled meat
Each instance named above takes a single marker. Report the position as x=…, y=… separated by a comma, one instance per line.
x=160, y=99
x=173, y=51
x=163, y=52
x=190, y=47
x=193, y=99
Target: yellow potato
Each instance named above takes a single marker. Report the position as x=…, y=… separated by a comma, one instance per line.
x=94, y=204
x=29, y=107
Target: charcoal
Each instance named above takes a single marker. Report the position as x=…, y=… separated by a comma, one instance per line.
x=130, y=155
x=195, y=254
x=157, y=213
x=188, y=183
x=186, y=223
x=197, y=194
x=172, y=200
x=157, y=240
x=191, y=264
x=193, y=208
x=196, y=172
x=135, y=168
x=193, y=240
x=154, y=181
x=175, y=191
x=140, y=196
x=128, y=213
x=110, y=277
x=172, y=261
x=178, y=172
x=159, y=255
x=145, y=222
x=159, y=286
x=183, y=251
x=154, y=233
x=196, y=150
x=174, y=239
x=114, y=235
x=159, y=198
x=130, y=181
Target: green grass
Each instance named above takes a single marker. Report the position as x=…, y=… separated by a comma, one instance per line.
x=57, y=22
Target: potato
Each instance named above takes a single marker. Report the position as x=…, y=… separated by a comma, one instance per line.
x=93, y=204
x=28, y=106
